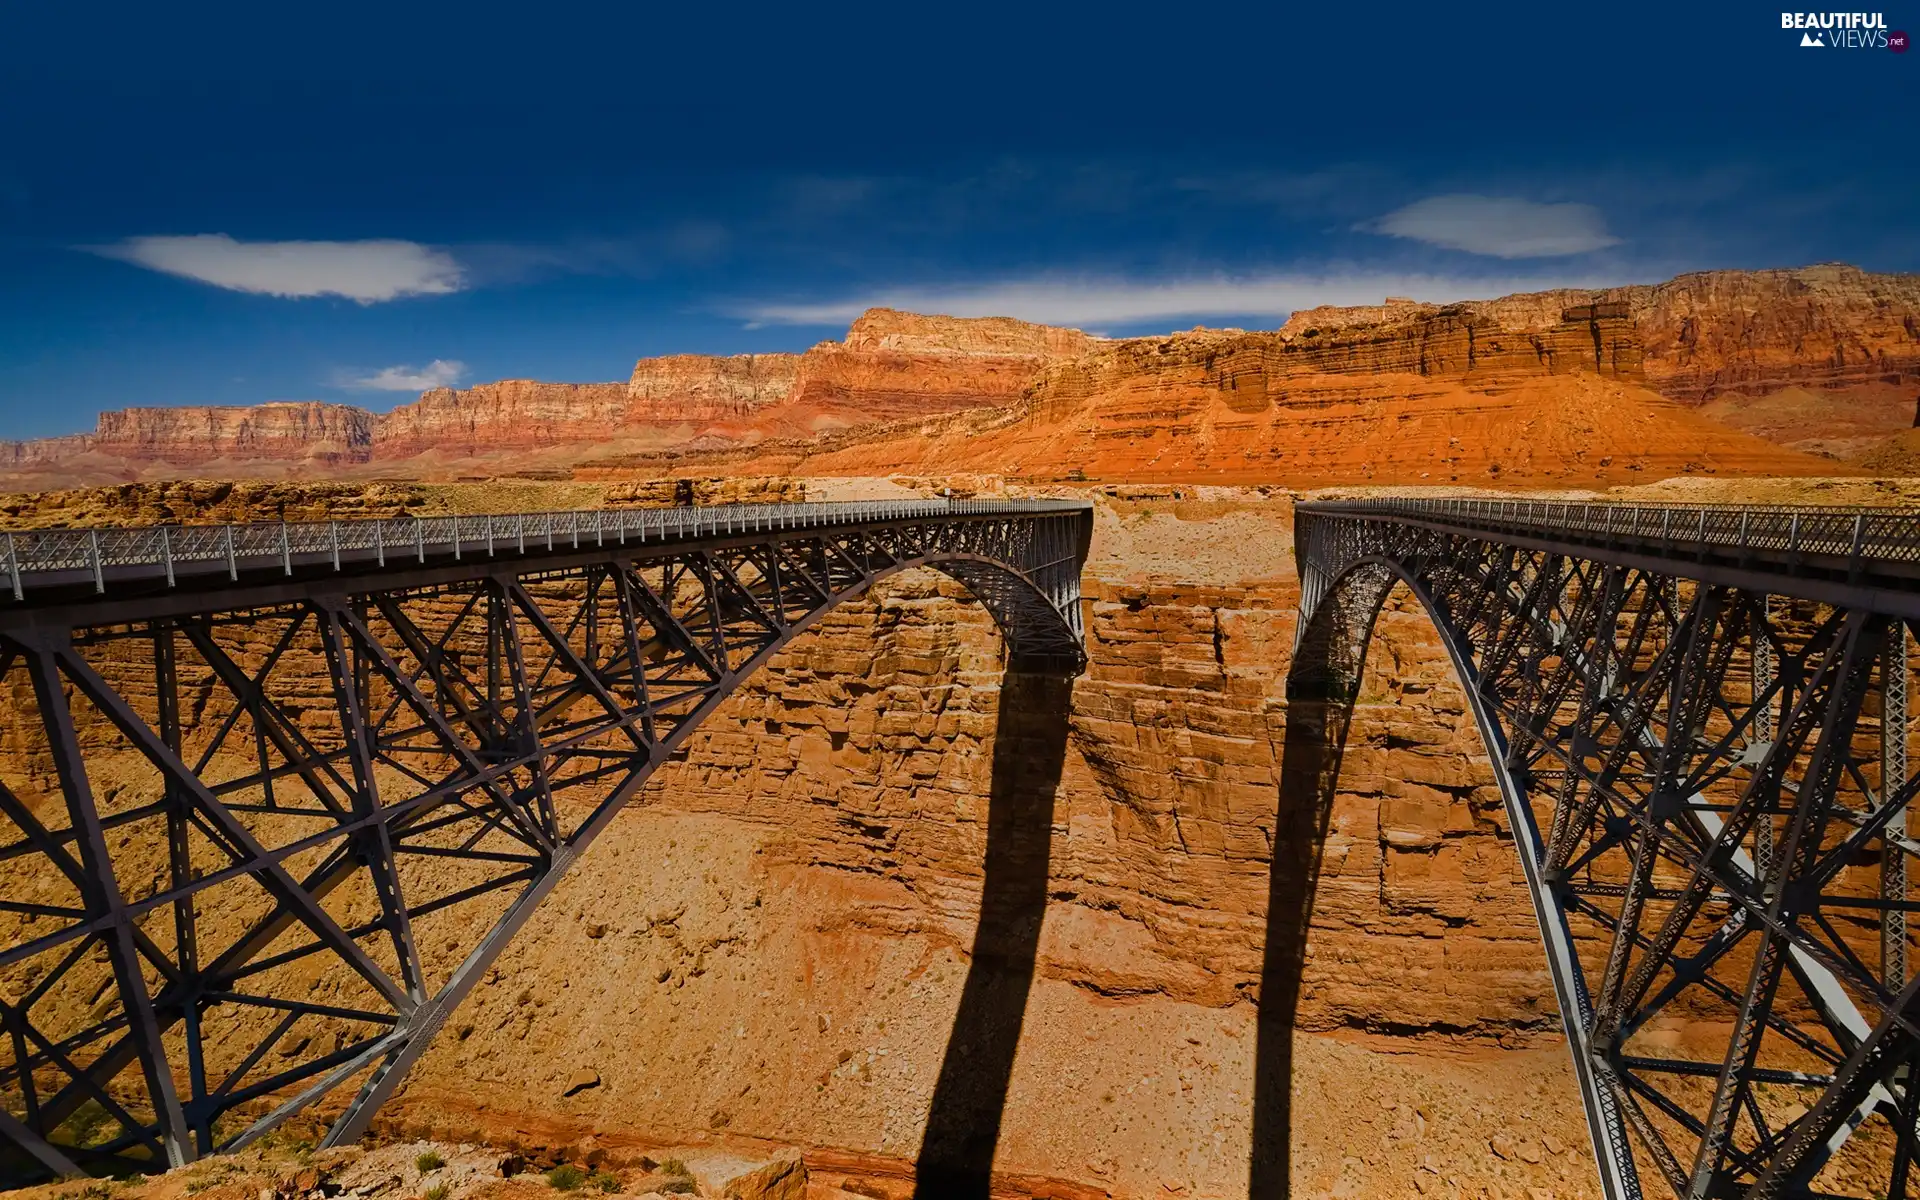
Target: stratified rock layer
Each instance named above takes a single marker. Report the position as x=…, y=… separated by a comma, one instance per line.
x=511, y=413
x=682, y=389
x=1714, y=332
x=1249, y=407
x=306, y=431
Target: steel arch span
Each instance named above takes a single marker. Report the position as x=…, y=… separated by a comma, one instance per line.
x=1697, y=719
x=277, y=797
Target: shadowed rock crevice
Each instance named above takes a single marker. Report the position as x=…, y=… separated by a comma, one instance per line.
x=970, y=1095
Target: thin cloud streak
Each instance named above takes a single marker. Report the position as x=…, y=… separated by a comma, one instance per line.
x=367, y=272
x=1099, y=303
x=439, y=373
x=1497, y=226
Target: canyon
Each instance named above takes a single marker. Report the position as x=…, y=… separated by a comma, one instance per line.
x=768, y=947
x=1822, y=361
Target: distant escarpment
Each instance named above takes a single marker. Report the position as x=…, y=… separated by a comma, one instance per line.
x=308, y=430
x=1823, y=359
x=1705, y=334
x=513, y=413
x=892, y=365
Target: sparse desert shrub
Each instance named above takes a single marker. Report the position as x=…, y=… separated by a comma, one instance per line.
x=674, y=1166
x=89, y=1125
x=606, y=1181
x=430, y=1161
x=438, y=1191
x=682, y=1185
x=565, y=1177
x=211, y=1174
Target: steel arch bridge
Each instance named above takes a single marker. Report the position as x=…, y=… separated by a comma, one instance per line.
x=1697, y=718
x=263, y=782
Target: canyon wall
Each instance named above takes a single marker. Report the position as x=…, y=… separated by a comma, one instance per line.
x=691, y=389
x=1709, y=333
x=1439, y=400
x=1457, y=341
x=1826, y=340
x=511, y=413
x=892, y=365
x=772, y=944
x=307, y=431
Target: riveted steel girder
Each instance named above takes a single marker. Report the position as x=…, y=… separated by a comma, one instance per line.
x=281, y=797
x=1697, y=720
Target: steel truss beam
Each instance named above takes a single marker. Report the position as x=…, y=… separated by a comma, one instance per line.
x=266, y=834
x=1705, y=772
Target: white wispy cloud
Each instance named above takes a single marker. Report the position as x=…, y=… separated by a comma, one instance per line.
x=1498, y=226
x=439, y=373
x=367, y=271
x=1096, y=303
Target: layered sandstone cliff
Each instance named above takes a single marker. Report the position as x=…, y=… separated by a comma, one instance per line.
x=1792, y=355
x=298, y=430
x=511, y=413
x=1458, y=340
x=892, y=365
x=683, y=389
x=1441, y=399
x=1709, y=333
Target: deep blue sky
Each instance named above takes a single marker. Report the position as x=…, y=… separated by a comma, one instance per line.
x=552, y=192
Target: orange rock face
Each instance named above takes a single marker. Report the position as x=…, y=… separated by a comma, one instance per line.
x=310, y=431
x=1713, y=332
x=1332, y=409
x=1303, y=404
x=1757, y=331
x=892, y=365
x=680, y=389
x=513, y=412
x=771, y=945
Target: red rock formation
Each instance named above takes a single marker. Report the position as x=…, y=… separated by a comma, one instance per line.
x=1491, y=408
x=1458, y=341
x=1714, y=332
x=896, y=365
x=509, y=414
x=692, y=389
x=916, y=333
x=295, y=430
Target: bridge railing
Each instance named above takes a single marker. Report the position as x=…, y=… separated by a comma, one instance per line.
x=199, y=549
x=1856, y=534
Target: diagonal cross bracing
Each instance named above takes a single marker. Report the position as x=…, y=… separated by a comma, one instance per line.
x=1697, y=720
x=492, y=691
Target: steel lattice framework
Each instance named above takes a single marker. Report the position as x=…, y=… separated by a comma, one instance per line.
x=1698, y=723
x=276, y=796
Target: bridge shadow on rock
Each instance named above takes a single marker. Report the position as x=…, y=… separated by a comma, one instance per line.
x=1316, y=738
x=970, y=1096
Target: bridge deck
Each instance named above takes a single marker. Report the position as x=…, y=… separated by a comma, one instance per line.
x=54, y=566
x=1869, y=557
